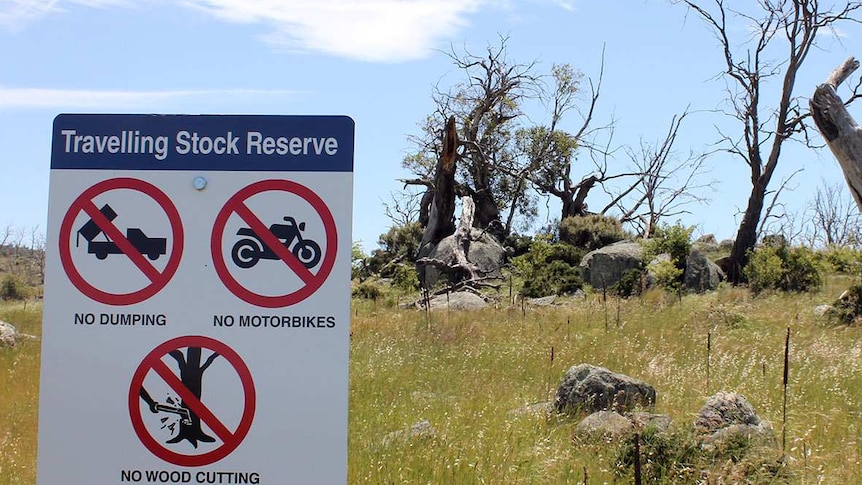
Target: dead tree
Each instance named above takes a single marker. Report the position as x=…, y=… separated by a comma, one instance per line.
x=788, y=25
x=440, y=219
x=835, y=219
x=665, y=184
x=441, y=210
x=839, y=129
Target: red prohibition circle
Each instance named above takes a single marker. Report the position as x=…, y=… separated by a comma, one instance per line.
x=158, y=280
x=236, y=204
x=230, y=439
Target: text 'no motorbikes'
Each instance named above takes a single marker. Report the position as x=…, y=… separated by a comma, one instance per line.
x=274, y=243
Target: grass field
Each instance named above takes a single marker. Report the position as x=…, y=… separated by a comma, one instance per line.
x=19, y=395
x=470, y=373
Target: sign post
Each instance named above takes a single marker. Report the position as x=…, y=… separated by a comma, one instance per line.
x=197, y=300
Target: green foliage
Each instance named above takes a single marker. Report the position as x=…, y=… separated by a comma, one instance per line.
x=804, y=270
x=783, y=268
x=556, y=278
x=12, y=288
x=549, y=269
x=764, y=270
x=843, y=259
x=402, y=240
x=591, y=232
x=399, y=244
x=519, y=244
x=676, y=456
x=848, y=308
x=368, y=290
x=630, y=283
x=357, y=262
x=674, y=240
x=406, y=278
x=665, y=457
x=667, y=275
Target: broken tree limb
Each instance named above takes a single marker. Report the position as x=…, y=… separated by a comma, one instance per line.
x=844, y=71
x=462, y=237
x=839, y=129
x=460, y=248
x=440, y=216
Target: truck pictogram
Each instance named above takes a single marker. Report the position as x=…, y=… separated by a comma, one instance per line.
x=151, y=247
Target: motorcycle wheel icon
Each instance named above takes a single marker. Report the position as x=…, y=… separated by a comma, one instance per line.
x=246, y=253
x=307, y=252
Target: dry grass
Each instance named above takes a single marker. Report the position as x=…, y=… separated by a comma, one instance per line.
x=19, y=381
x=466, y=372
x=471, y=374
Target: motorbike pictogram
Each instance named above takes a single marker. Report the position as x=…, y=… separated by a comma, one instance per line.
x=248, y=251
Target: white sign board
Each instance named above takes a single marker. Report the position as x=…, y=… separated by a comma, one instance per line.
x=197, y=300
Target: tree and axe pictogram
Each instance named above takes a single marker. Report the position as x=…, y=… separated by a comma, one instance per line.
x=191, y=375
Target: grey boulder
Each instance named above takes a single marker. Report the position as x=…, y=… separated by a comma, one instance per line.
x=587, y=388
x=604, y=267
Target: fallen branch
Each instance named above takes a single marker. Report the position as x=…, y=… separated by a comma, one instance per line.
x=471, y=285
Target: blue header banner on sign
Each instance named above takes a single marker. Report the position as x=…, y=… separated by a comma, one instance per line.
x=203, y=142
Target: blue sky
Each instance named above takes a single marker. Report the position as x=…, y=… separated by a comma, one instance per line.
x=375, y=61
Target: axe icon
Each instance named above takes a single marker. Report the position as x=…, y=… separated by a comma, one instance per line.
x=155, y=407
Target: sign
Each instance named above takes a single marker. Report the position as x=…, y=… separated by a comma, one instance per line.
x=195, y=414
x=302, y=257
x=134, y=244
x=196, y=317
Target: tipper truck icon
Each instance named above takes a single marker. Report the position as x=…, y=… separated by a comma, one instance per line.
x=151, y=247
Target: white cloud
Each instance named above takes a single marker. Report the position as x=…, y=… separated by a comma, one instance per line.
x=566, y=4
x=35, y=98
x=14, y=14
x=370, y=30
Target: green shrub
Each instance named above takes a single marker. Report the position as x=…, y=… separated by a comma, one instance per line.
x=843, y=259
x=518, y=243
x=674, y=240
x=12, y=288
x=630, y=283
x=399, y=244
x=591, y=232
x=782, y=268
x=804, y=270
x=358, y=261
x=556, y=278
x=549, y=269
x=666, y=457
x=848, y=308
x=406, y=278
x=565, y=253
x=368, y=290
x=667, y=275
